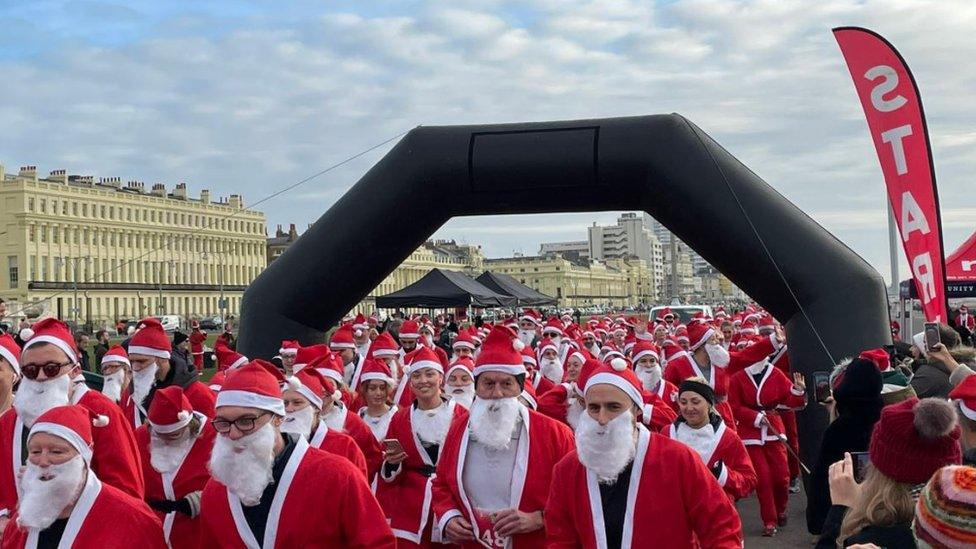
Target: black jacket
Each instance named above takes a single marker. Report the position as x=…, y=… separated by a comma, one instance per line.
x=932, y=377
x=180, y=373
x=850, y=432
x=896, y=536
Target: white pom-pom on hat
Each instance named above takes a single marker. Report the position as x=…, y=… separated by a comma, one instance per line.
x=618, y=364
x=183, y=415
x=518, y=345
x=336, y=395
x=26, y=334
x=100, y=421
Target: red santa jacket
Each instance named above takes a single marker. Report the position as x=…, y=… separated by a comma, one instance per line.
x=339, y=444
x=320, y=501
x=555, y=403
x=197, y=337
x=758, y=351
x=541, y=383
x=202, y=399
x=673, y=502
x=966, y=320
x=543, y=442
x=115, y=458
x=668, y=392
x=405, y=496
x=752, y=401
x=191, y=476
x=657, y=414
x=355, y=427
x=738, y=477
x=103, y=516
x=682, y=367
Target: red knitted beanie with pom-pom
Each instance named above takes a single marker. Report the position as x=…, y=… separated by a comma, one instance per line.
x=915, y=438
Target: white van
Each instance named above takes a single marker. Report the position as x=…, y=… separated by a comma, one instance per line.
x=684, y=312
x=170, y=323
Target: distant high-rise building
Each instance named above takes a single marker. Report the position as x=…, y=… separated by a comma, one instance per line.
x=629, y=238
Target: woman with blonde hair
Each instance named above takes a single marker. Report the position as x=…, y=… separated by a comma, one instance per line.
x=911, y=441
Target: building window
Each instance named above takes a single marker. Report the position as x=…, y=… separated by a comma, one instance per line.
x=30, y=204
x=43, y=206
x=55, y=235
x=44, y=267
x=12, y=270
x=74, y=209
x=102, y=209
x=31, y=233
x=43, y=234
x=84, y=210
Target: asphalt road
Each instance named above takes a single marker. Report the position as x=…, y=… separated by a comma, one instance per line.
x=793, y=535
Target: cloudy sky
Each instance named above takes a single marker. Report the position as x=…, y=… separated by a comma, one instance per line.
x=250, y=96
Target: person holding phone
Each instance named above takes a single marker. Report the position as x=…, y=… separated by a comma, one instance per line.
x=412, y=448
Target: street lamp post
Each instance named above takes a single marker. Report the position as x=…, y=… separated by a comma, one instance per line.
x=159, y=279
x=76, y=309
x=220, y=283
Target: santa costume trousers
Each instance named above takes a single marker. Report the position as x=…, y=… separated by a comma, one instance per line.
x=773, y=474
x=793, y=439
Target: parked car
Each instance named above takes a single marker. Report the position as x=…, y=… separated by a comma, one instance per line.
x=684, y=312
x=211, y=323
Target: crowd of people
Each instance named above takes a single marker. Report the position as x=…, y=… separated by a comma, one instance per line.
x=529, y=432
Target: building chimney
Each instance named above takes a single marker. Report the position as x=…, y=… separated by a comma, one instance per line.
x=292, y=233
x=205, y=196
x=236, y=201
x=86, y=180
x=114, y=182
x=158, y=189
x=180, y=191
x=137, y=186
x=28, y=172
x=279, y=233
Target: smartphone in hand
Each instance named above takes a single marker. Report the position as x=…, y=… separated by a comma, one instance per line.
x=860, y=460
x=392, y=446
x=932, y=335
x=821, y=386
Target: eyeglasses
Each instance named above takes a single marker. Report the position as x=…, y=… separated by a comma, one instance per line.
x=244, y=424
x=50, y=369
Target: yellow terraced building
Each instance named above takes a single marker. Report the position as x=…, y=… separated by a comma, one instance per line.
x=97, y=250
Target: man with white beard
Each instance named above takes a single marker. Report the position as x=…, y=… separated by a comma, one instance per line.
x=463, y=346
x=564, y=402
x=175, y=448
x=460, y=381
x=303, y=394
x=116, y=375
x=63, y=502
x=627, y=487
x=409, y=464
x=272, y=490
x=52, y=377
x=495, y=466
x=549, y=364
x=9, y=370
x=590, y=343
x=528, y=325
x=375, y=388
x=647, y=366
x=154, y=367
x=360, y=334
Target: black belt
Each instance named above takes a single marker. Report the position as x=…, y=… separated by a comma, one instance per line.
x=428, y=470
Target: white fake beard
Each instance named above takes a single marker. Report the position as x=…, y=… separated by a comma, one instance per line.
x=41, y=501
x=573, y=412
x=463, y=395
x=526, y=336
x=649, y=377
x=552, y=369
x=34, y=397
x=492, y=422
x=112, y=386
x=594, y=350
x=142, y=382
x=166, y=456
x=606, y=449
x=433, y=429
x=334, y=419
x=244, y=465
x=717, y=355
x=299, y=422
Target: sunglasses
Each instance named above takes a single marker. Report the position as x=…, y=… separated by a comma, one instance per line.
x=244, y=424
x=50, y=369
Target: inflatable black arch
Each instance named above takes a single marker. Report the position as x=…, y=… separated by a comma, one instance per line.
x=833, y=303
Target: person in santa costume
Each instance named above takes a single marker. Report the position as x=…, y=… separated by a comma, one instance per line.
x=550, y=365
x=197, y=339
x=460, y=381
x=9, y=370
x=303, y=394
x=720, y=448
x=564, y=402
x=706, y=359
x=273, y=490
x=965, y=320
x=463, y=346
x=647, y=366
x=343, y=344
x=404, y=488
x=288, y=352
x=427, y=340
x=360, y=335
x=52, y=377
x=334, y=412
x=385, y=349
x=496, y=465
x=63, y=502
x=625, y=486
x=154, y=367
x=175, y=447
x=756, y=395
x=375, y=387
x=227, y=359
x=116, y=375
x=409, y=336
x=539, y=382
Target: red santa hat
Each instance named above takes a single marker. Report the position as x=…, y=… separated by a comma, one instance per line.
x=313, y=386
x=530, y=315
x=620, y=375
x=553, y=326
x=10, y=352
x=342, y=338
x=663, y=314
x=55, y=332
x=254, y=385
x=528, y=357
x=463, y=363
x=501, y=352
x=360, y=324
x=767, y=321
x=150, y=339
x=699, y=334
x=464, y=340
x=720, y=313
x=307, y=355
x=880, y=358
x=528, y=393
x=410, y=329
x=645, y=348
x=72, y=423
x=170, y=410
x=964, y=395
x=375, y=369
x=289, y=348
x=328, y=365
x=547, y=343
x=422, y=358
x=228, y=359
x=672, y=351
x=116, y=354
x=384, y=346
